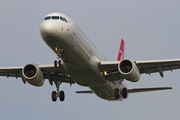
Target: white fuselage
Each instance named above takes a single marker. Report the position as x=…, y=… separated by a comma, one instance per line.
x=80, y=56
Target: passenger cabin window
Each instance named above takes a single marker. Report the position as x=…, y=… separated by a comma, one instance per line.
x=47, y=18
x=55, y=17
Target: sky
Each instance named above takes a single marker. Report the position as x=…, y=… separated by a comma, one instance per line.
x=150, y=29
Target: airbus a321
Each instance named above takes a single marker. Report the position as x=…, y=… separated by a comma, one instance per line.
x=79, y=61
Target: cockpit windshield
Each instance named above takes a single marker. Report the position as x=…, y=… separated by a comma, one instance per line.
x=56, y=18
x=65, y=20
x=61, y=18
x=47, y=18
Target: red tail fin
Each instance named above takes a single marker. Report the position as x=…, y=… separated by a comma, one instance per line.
x=121, y=51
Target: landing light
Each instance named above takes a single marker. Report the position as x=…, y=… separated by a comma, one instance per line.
x=105, y=73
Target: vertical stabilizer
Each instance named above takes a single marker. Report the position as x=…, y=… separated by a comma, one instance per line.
x=121, y=51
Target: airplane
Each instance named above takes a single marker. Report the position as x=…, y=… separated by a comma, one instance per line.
x=79, y=61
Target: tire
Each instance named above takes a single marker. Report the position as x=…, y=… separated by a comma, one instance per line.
x=124, y=93
x=53, y=95
x=61, y=96
x=59, y=63
x=116, y=93
x=55, y=63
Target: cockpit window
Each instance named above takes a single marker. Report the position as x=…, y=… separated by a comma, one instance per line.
x=55, y=17
x=62, y=18
x=47, y=18
x=65, y=20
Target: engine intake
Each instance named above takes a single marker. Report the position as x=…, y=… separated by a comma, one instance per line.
x=129, y=70
x=33, y=75
x=126, y=66
x=30, y=71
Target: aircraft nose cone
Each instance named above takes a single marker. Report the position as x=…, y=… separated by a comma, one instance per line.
x=47, y=29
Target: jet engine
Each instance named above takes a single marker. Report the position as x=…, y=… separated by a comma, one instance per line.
x=129, y=70
x=33, y=75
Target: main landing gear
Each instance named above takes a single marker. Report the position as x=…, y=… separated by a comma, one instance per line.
x=118, y=92
x=57, y=93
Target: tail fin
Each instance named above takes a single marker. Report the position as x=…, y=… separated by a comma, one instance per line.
x=121, y=51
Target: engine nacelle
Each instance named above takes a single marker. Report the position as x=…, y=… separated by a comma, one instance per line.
x=33, y=75
x=129, y=70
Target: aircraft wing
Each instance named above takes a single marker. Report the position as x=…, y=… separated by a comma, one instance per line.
x=152, y=66
x=110, y=68
x=49, y=72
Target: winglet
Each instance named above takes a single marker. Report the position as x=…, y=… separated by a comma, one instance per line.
x=121, y=51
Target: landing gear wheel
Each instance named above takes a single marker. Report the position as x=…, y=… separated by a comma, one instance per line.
x=55, y=63
x=116, y=93
x=53, y=95
x=124, y=93
x=59, y=62
x=62, y=96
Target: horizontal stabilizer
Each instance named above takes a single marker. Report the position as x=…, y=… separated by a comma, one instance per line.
x=136, y=90
x=84, y=91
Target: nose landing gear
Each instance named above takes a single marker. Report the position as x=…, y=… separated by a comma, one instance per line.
x=58, y=62
x=57, y=79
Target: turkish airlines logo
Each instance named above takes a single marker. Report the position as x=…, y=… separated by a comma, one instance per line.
x=121, y=55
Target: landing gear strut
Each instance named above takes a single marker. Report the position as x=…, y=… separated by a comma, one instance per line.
x=58, y=62
x=57, y=93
